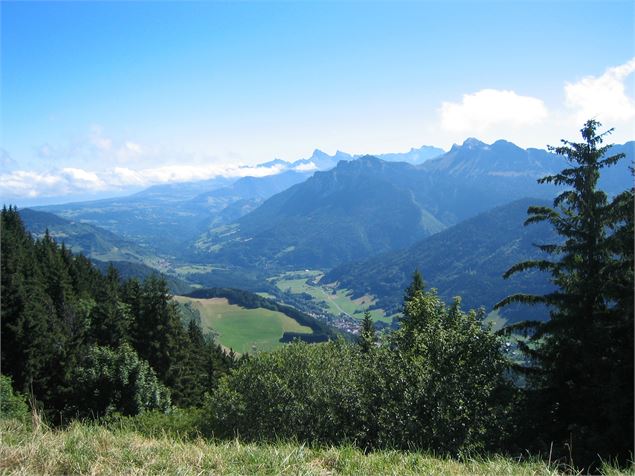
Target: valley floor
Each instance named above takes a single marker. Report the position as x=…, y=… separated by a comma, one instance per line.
x=92, y=449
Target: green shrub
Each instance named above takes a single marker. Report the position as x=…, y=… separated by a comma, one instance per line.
x=12, y=405
x=117, y=380
x=308, y=391
x=443, y=382
x=436, y=385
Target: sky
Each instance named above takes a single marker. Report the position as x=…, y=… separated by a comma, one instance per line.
x=103, y=98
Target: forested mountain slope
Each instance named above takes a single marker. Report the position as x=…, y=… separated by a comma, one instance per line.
x=94, y=242
x=359, y=208
x=466, y=260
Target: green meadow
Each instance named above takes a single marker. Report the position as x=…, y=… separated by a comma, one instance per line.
x=243, y=330
x=336, y=301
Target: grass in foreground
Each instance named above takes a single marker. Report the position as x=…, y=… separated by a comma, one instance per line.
x=93, y=449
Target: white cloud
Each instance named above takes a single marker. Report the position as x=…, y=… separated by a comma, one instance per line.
x=602, y=97
x=22, y=183
x=83, y=179
x=71, y=180
x=491, y=114
x=132, y=147
x=307, y=167
x=490, y=108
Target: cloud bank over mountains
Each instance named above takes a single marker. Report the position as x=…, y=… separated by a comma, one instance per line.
x=71, y=180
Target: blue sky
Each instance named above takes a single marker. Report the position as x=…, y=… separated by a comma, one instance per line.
x=106, y=97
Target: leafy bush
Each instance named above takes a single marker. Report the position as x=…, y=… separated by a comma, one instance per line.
x=444, y=380
x=117, y=380
x=437, y=384
x=12, y=405
x=312, y=392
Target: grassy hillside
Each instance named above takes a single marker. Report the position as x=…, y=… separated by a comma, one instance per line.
x=92, y=449
x=335, y=301
x=321, y=331
x=244, y=330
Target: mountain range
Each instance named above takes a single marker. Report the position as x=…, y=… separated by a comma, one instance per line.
x=339, y=211
x=165, y=218
x=366, y=205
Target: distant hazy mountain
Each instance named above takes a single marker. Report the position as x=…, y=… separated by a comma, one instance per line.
x=617, y=178
x=359, y=208
x=252, y=188
x=477, y=163
x=438, y=192
x=320, y=160
x=176, y=192
x=157, y=222
x=92, y=241
x=465, y=260
x=414, y=156
x=165, y=218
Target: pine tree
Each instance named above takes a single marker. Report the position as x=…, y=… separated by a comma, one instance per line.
x=413, y=322
x=110, y=317
x=577, y=356
x=367, y=335
x=33, y=338
x=157, y=333
x=416, y=286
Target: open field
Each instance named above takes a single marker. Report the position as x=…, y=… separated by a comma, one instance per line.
x=266, y=295
x=187, y=269
x=244, y=330
x=337, y=302
x=92, y=449
x=497, y=321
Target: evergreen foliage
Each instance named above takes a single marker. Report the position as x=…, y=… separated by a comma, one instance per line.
x=63, y=322
x=116, y=380
x=580, y=361
x=367, y=334
x=415, y=286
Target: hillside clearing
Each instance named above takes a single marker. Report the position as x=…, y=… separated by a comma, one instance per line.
x=244, y=330
x=337, y=302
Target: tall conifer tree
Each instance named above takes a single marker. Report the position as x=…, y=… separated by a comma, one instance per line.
x=581, y=353
x=367, y=334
